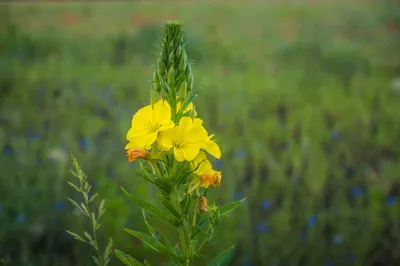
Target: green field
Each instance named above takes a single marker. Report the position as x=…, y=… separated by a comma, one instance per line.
x=302, y=99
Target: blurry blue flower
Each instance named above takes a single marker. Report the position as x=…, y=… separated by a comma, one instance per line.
x=111, y=174
x=335, y=135
x=329, y=263
x=303, y=236
x=240, y=153
x=238, y=195
x=391, y=200
x=94, y=184
x=60, y=205
x=286, y=145
x=21, y=218
x=337, y=239
x=262, y=228
x=357, y=192
x=265, y=204
x=84, y=143
x=42, y=91
x=218, y=164
x=312, y=220
x=8, y=150
x=351, y=258
x=226, y=107
x=46, y=125
x=336, y=211
x=33, y=135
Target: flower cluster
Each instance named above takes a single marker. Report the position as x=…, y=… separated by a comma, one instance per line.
x=153, y=134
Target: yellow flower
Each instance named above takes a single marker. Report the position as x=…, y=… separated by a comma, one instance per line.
x=134, y=154
x=186, y=140
x=147, y=123
x=206, y=175
x=208, y=144
x=187, y=109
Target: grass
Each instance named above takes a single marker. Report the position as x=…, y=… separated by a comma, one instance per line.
x=298, y=95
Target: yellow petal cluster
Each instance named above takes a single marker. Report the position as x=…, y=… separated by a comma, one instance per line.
x=188, y=140
x=147, y=123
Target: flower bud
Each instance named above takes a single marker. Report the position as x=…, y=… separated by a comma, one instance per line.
x=160, y=65
x=183, y=63
x=202, y=205
x=171, y=58
x=134, y=154
x=171, y=76
x=156, y=81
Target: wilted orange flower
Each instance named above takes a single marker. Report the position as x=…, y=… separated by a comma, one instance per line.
x=211, y=178
x=134, y=153
x=202, y=205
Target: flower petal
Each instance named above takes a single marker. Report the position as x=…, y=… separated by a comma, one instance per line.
x=165, y=139
x=190, y=150
x=167, y=125
x=212, y=148
x=178, y=153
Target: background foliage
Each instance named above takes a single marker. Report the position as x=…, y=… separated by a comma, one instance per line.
x=304, y=99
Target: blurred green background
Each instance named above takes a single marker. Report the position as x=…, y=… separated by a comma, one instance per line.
x=304, y=98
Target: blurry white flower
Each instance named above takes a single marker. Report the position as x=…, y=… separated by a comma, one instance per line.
x=395, y=84
x=58, y=155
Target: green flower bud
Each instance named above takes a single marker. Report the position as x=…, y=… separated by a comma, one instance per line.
x=171, y=58
x=160, y=65
x=179, y=51
x=171, y=76
x=156, y=81
x=190, y=82
x=183, y=63
x=182, y=91
x=172, y=46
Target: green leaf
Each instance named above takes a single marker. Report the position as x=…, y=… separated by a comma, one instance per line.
x=223, y=258
x=146, y=263
x=152, y=209
x=76, y=236
x=126, y=259
x=147, y=221
x=227, y=208
x=168, y=205
x=153, y=243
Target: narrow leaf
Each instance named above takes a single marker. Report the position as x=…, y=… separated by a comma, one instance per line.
x=147, y=220
x=223, y=258
x=108, y=250
x=153, y=243
x=74, y=186
x=76, y=236
x=95, y=260
x=152, y=209
x=227, y=208
x=126, y=259
x=168, y=205
x=146, y=263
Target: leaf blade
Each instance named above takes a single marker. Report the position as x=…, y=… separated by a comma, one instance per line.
x=223, y=258
x=152, y=209
x=227, y=208
x=126, y=259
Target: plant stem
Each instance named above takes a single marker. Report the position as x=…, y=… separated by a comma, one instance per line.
x=182, y=229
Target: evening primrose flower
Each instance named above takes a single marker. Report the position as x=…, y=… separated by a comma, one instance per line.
x=206, y=176
x=147, y=123
x=135, y=153
x=185, y=139
x=208, y=144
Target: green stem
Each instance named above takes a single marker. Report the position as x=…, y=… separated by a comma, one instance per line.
x=182, y=229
